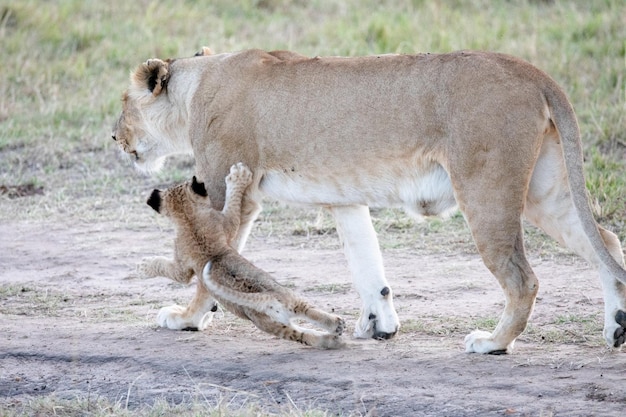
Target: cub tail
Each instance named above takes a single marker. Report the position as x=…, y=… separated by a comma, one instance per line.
x=262, y=302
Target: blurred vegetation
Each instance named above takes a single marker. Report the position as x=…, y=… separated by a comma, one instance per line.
x=66, y=63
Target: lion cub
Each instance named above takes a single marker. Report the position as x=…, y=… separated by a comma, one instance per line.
x=202, y=247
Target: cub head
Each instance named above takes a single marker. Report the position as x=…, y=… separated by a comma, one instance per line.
x=180, y=199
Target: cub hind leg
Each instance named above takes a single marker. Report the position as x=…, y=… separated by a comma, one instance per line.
x=196, y=316
x=199, y=312
x=289, y=331
x=332, y=323
x=250, y=292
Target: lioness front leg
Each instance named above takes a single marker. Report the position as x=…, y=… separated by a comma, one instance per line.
x=378, y=317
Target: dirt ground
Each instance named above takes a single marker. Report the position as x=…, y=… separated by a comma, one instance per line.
x=76, y=322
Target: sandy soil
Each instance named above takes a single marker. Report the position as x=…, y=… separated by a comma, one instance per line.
x=76, y=322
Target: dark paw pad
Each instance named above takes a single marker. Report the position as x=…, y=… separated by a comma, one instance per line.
x=498, y=352
x=620, y=332
x=383, y=335
x=190, y=329
x=341, y=325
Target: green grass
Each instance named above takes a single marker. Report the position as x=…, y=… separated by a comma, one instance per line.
x=66, y=63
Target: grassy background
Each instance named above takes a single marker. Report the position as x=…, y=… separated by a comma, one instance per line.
x=66, y=63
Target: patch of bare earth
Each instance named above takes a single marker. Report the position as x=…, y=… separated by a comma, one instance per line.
x=76, y=322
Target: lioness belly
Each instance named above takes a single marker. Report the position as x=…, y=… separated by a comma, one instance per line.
x=423, y=189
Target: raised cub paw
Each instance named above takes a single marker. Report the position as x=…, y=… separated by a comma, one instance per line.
x=240, y=175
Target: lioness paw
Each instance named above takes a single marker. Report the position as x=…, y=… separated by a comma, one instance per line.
x=480, y=341
x=619, y=334
x=240, y=175
x=378, y=321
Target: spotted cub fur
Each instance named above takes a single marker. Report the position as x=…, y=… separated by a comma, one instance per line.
x=202, y=247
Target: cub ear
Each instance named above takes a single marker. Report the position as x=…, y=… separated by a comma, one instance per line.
x=198, y=187
x=153, y=75
x=155, y=200
x=204, y=51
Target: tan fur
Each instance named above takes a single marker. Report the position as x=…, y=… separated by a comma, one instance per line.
x=486, y=131
x=203, y=236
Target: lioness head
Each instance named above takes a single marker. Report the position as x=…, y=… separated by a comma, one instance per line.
x=180, y=199
x=153, y=124
x=151, y=127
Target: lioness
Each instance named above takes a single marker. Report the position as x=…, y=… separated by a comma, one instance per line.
x=484, y=131
x=202, y=247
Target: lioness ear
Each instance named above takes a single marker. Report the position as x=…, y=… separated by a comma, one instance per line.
x=204, y=52
x=198, y=187
x=153, y=75
x=155, y=200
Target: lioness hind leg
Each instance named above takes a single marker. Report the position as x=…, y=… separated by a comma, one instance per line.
x=492, y=202
x=508, y=263
x=196, y=316
x=550, y=207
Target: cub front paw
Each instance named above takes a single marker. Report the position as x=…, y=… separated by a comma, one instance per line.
x=145, y=268
x=176, y=317
x=239, y=175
